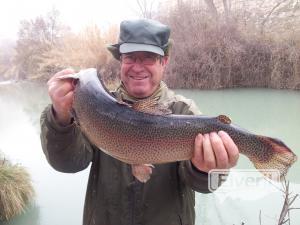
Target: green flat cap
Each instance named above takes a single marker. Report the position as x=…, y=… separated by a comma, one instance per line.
x=141, y=35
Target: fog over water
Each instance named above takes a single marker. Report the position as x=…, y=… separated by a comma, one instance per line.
x=60, y=196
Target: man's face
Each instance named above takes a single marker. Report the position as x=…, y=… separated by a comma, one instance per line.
x=141, y=72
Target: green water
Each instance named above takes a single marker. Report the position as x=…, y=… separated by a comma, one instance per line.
x=274, y=113
x=60, y=197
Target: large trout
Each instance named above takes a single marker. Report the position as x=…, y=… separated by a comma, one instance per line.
x=137, y=137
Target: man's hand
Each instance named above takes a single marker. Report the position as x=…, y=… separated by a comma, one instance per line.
x=214, y=151
x=61, y=92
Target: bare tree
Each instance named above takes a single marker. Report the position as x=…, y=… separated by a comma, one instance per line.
x=146, y=8
x=35, y=38
x=227, y=6
x=53, y=24
x=212, y=8
x=266, y=19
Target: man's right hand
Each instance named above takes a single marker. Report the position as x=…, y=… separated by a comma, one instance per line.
x=61, y=92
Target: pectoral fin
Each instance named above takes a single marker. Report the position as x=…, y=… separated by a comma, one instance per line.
x=151, y=106
x=142, y=172
x=121, y=102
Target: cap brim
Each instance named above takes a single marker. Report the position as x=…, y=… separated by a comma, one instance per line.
x=133, y=47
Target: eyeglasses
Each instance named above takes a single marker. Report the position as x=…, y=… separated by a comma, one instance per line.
x=149, y=59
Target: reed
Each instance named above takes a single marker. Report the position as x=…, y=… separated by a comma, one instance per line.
x=16, y=190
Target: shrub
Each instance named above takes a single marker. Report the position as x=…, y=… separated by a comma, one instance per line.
x=16, y=190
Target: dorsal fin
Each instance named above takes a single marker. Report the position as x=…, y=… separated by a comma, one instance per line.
x=224, y=119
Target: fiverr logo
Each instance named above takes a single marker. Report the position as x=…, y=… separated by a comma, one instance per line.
x=240, y=178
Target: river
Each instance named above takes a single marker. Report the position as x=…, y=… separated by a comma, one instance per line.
x=60, y=197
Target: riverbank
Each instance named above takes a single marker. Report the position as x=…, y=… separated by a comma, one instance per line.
x=16, y=190
x=211, y=48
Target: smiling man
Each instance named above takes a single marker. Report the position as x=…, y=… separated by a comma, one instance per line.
x=140, y=73
x=114, y=195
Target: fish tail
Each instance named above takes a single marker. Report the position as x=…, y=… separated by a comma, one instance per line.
x=273, y=155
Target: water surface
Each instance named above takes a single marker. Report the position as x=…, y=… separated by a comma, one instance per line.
x=270, y=112
x=60, y=196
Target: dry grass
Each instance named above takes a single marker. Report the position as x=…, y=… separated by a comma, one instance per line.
x=229, y=52
x=16, y=190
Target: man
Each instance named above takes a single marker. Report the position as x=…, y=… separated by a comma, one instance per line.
x=114, y=196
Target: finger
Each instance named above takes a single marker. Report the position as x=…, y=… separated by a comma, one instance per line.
x=59, y=74
x=63, y=102
x=63, y=89
x=67, y=100
x=232, y=149
x=62, y=108
x=208, y=154
x=61, y=97
x=219, y=150
x=197, y=159
x=58, y=89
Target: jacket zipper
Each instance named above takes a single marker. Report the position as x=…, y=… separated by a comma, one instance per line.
x=132, y=209
x=132, y=220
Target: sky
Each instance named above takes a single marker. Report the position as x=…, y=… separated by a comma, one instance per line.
x=76, y=13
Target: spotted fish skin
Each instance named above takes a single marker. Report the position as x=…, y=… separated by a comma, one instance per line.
x=136, y=137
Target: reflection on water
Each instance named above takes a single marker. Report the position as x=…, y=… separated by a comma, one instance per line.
x=60, y=196
x=30, y=217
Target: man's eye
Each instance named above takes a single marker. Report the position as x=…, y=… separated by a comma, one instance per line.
x=148, y=59
x=129, y=59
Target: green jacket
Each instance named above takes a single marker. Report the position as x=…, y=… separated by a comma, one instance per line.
x=114, y=196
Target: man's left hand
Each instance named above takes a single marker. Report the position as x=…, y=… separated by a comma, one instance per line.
x=214, y=151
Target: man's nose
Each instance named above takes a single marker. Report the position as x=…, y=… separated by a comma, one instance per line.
x=139, y=60
x=138, y=65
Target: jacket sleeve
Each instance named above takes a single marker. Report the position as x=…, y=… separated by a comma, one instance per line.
x=189, y=174
x=192, y=177
x=66, y=149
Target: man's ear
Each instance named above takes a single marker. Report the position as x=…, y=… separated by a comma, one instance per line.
x=165, y=60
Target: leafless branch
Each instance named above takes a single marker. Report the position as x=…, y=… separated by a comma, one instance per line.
x=259, y=217
x=226, y=9
x=145, y=8
x=288, y=201
x=212, y=8
x=265, y=20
